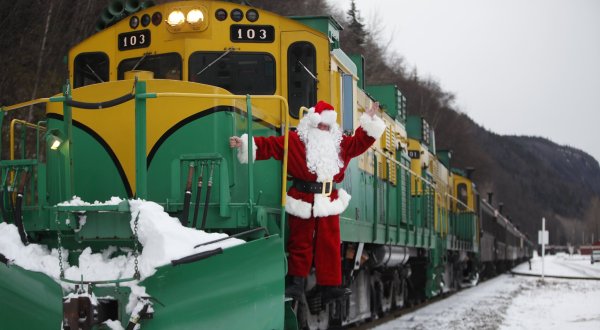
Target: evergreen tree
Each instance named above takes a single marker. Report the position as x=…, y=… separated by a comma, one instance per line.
x=357, y=28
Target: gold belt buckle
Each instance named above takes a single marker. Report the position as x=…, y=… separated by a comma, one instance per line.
x=324, y=191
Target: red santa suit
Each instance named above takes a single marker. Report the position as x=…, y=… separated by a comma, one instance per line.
x=315, y=156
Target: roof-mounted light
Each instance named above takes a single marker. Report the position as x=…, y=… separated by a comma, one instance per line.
x=187, y=19
x=195, y=17
x=175, y=18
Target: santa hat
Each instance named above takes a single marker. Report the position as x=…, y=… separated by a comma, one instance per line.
x=322, y=112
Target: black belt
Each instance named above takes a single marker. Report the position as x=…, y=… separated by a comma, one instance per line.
x=324, y=188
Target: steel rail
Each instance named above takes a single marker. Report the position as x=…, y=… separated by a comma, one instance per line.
x=557, y=276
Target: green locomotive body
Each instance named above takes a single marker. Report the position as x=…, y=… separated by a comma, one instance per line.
x=127, y=129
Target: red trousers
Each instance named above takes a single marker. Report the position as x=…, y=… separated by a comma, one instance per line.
x=319, y=238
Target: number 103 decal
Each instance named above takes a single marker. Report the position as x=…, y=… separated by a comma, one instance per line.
x=133, y=40
x=252, y=33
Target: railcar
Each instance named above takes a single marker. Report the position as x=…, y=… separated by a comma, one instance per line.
x=146, y=113
x=503, y=245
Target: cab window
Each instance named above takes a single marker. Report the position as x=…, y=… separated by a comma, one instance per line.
x=239, y=73
x=302, y=76
x=462, y=196
x=90, y=68
x=164, y=66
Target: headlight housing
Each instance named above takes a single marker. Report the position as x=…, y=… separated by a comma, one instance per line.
x=187, y=19
x=195, y=17
x=176, y=18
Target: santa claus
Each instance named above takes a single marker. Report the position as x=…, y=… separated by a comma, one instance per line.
x=318, y=154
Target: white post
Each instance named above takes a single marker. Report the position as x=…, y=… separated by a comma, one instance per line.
x=543, y=244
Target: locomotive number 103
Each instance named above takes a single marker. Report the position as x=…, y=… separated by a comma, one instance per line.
x=252, y=33
x=133, y=40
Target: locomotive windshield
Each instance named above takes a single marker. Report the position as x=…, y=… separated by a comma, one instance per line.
x=239, y=73
x=164, y=66
x=90, y=68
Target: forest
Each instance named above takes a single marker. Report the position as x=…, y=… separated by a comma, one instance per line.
x=531, y=176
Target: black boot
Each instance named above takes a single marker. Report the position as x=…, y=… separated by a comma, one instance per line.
x=295, y=287
x=329, y=293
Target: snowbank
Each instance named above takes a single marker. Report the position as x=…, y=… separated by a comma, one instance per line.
x=162, y=239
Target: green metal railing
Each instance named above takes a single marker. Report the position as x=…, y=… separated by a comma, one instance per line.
x=13, y=170
x=285, y=120
x=141, y=96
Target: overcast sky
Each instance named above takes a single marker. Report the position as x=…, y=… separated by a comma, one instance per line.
x=525, y=67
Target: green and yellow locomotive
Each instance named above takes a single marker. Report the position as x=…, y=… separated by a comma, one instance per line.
x=151, y=101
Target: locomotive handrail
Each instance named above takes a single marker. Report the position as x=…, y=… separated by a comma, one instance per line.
x=25, y=104
x=468, y=209
x=284, y=115
x=115, y=281
x=100, y=105
x=12, y=133
x=417, y=176
x=403, y=166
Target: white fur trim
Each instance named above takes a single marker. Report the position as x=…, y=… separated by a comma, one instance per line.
x=243, y=150
x=297, y=207
x=324, y=206
x=312, y=118
x=328, y=117
x=373, y=126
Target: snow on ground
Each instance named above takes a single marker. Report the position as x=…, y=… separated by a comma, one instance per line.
x=561, y=264
x=518, y=302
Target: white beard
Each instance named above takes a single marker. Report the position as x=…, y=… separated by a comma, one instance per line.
x=322, y=151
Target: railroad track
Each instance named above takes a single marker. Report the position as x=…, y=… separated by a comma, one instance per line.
x=559, y=277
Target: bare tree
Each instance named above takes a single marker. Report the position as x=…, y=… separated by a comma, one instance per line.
x=39, y=61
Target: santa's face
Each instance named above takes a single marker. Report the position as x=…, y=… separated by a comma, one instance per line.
x=323, y=127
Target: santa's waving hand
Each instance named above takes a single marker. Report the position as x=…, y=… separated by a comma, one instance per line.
x=318, y=154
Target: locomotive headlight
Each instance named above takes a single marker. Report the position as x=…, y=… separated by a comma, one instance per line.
x=56, y=142
x=53, y=139
x=195, y=17
x=175, y=18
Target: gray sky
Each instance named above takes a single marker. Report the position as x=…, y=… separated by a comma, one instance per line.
x=525, y=67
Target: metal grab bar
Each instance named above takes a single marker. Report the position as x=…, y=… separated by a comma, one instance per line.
x=100, y=105
x=24, y=104
x=284, y=115
x=244, y=233
x=398, y=164
x=13, y=123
